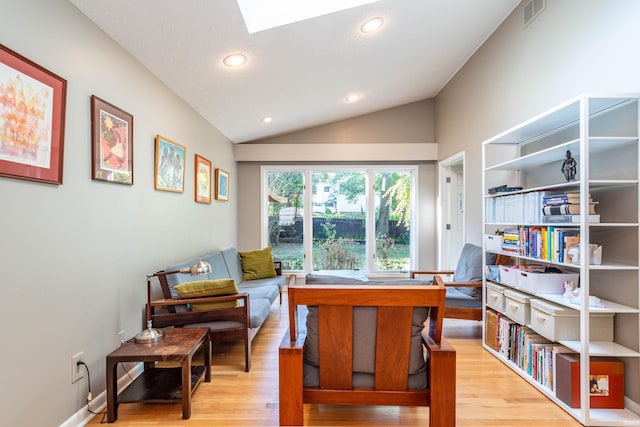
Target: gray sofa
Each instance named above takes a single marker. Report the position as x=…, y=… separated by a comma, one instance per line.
x=226, y=264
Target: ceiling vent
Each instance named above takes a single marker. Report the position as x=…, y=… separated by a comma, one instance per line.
x=532, y=9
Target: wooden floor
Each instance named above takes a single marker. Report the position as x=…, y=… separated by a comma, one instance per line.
x=488, y=393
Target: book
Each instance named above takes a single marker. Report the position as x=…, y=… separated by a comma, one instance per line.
x=567, y=209
x=554, y=219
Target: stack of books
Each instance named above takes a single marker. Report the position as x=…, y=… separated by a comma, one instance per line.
x=565, y=208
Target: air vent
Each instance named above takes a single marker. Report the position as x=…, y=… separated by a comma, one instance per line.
x=532, y=9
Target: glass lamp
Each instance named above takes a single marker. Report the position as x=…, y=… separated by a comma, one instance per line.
x=151, y=335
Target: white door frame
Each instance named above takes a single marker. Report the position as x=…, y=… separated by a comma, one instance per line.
x=447, y=260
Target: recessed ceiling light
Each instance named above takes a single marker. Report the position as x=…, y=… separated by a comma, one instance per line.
x=267, y=119
x=371, y=25
x=234, y=60
x=352, y=98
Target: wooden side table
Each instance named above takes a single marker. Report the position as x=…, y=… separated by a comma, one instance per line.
x=157, y=384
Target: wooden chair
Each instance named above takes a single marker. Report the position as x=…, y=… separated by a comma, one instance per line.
x=460, y=304
x=395, y=304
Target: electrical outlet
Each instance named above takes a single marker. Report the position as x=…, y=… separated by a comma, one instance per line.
x=77, y=371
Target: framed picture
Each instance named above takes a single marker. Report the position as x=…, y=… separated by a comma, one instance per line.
x=203, y=180
x=32, y=114
x=111, y=143
x=222, y=185
x=170, y=165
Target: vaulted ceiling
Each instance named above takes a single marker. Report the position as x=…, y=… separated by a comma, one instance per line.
x=298, y=74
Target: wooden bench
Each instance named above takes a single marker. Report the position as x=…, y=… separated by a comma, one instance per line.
x=395, y=305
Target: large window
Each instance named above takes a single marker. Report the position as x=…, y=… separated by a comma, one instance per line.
x=358, y=218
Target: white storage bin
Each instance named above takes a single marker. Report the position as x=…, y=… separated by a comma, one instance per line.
x=516, y=306
x=559, y=323
x=544, y=283
x=493, y=242
x=509, y=275
x=495, y=296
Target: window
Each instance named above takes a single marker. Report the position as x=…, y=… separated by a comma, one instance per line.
x=359, y=218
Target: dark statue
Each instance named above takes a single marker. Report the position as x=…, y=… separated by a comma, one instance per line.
x=569, y=167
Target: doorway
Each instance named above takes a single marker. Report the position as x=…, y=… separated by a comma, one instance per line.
x=451, y=215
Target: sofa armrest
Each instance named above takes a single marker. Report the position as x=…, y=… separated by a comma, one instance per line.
x=238, y=314
x=278, y=266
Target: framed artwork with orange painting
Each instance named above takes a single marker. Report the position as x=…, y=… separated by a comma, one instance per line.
x=32, y=115
x=203, y=180
x=111, y=143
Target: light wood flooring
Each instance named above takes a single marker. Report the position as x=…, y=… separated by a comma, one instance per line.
x=488, y=393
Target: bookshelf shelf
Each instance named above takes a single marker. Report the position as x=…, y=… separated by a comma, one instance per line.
x=602, y=134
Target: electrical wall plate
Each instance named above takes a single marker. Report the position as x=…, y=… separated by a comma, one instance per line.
x=77, y=371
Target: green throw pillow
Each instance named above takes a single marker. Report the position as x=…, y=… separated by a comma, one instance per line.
x=257, y=264
x=209, y=288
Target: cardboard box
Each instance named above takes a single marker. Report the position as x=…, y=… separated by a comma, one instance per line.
x=606, y=381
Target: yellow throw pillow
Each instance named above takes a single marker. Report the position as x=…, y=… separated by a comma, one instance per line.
x=209, y=288
x=257, y=264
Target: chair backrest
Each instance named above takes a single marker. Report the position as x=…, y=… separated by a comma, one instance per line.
x=395, y=321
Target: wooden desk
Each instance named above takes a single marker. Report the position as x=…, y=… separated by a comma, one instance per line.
x=160, y=384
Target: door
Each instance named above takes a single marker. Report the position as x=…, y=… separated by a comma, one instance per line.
x=451, y=225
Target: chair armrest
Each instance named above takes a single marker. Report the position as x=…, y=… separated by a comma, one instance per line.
x=463, y=284
x=415, y=273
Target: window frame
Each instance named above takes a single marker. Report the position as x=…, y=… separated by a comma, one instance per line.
x=369, y=170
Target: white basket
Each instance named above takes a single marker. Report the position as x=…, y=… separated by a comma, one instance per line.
x=493, y=242
x=544, y=283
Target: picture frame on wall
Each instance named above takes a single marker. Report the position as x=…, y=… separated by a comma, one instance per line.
x=202, y=180
x=169, y=165
x=111, y=143
x=222, y=185
x=33, y=120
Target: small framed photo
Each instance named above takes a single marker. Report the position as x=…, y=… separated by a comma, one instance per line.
x=111, y=143
x=170, y=165
x=222, y=185
x=202, y=180
x=32, y=114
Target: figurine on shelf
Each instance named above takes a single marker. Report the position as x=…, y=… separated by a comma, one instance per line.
x=569, y=167
x=570, y=289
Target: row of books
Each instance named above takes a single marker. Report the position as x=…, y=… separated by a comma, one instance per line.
x=549, y=243
x=532, y=353
x=565, y=208
x=537, y=207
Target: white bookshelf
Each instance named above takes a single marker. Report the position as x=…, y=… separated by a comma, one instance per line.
x=602, y=133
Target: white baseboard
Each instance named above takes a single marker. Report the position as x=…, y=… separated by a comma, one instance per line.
x=99, y=402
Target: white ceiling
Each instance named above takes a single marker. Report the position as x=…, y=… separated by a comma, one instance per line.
x=299, y=73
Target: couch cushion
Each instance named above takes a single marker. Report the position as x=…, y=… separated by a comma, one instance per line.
x=455, y=298
x=232, y=261
x=278, y=281
x=327, y=279
x=258, y=311
x=469, y=268
x=208, y=288
x=364, y=339
x=257, y=264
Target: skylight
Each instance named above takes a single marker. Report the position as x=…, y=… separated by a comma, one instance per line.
x=262, y=15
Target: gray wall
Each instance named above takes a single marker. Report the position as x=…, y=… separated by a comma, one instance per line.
x=574, y=46
x=411, y=123
x=74, y=257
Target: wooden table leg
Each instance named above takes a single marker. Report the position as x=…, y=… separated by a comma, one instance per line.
x=112, y=391
x=186, y=388
x=207, y=358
